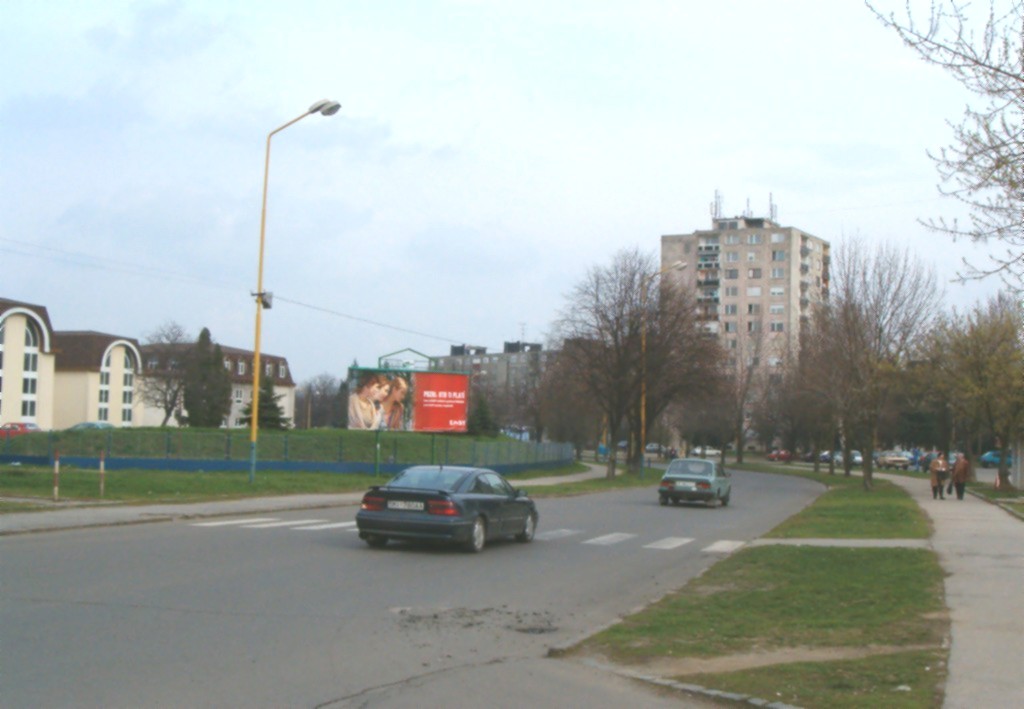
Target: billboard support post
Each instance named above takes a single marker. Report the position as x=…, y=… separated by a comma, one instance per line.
x=376, y=452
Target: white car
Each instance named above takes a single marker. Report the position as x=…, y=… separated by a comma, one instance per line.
x=707, y=452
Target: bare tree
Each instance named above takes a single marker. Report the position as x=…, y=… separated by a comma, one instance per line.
x=317, y=402
x=983, y=168
x=982, y=369
x=879, y=303
x=167, y=350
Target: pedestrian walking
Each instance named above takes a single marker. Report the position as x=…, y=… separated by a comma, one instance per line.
x=938, y=471
x=961, y=474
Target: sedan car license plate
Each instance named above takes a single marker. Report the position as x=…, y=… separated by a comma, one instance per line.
x=404, y=505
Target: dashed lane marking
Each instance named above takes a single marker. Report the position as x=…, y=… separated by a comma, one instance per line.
x=285, y=523
x=609, y=539
x=723, y=547
x=331, y=525
x=669, y=543
x=557, y=534
x=225, y=523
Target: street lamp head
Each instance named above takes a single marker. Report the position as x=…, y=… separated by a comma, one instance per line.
x=325, y=107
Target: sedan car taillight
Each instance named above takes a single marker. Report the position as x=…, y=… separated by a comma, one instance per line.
x=667, y=485
x=703, y=486
x=373, y=503
x=447, y=508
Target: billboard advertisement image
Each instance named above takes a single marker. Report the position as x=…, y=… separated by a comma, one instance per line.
x=386, y=400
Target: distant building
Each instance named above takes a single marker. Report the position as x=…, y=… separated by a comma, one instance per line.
x=520, y=364
x=27, y=364
x=756, y=283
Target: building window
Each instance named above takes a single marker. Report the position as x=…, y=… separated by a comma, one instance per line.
x=732, y=291
x=777, y=309
x=778, y=255
x=126, y=397
x=732, y=239
x=778, y=238
x=227, y=364
x=753, y=273
x=28, y=409
x=268, y=369
x=731, y=274
x=778, y=273
x=104, y=396
x=126, y=415
x=238, y=396
x=241, y=367
x=754, y=291
x=751, y=256
x=28, y=386
x=731, y=308
x=777, y=327
x=30, y=374
x=754, y=309
x=755, y=238
x=754, y=326
x=732, y=256
x=282, y=370
x=729, y=326
x=777, y=290
x=734, y=344
x=103, y=414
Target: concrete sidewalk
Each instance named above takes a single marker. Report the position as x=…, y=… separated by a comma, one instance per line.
x=981, y=549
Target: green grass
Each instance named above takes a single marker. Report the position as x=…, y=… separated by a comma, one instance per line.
x=817, y=605
x=150, y=487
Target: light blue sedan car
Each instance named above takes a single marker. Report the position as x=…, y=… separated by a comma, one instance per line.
x=695, y=480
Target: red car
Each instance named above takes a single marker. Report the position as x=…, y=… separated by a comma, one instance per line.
x=780, y=455
x=10, y=430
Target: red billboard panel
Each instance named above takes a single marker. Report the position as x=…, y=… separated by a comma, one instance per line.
x=407, y=401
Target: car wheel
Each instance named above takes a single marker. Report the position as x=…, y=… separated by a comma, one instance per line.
x=528, y=530
x=725, y=500
x=477, y=536
x=376, y=541
x=663, y=500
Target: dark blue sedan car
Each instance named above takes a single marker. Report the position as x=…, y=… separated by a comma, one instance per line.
x=466, y=506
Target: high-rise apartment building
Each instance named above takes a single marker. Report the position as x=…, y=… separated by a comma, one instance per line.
x=756, y=283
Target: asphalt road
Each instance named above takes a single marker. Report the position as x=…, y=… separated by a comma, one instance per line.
x=288, y=612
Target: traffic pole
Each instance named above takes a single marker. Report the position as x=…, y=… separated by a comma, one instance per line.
x=56, y=477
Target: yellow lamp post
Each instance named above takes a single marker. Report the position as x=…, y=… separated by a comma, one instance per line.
x=676, y=266
x=263, y=299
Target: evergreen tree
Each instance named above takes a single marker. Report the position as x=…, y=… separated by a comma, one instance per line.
x=207, y=384
x=481, y=422
x=271, y=414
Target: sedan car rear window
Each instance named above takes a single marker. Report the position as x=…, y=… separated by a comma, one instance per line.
x=428, y=478
x=691, y=467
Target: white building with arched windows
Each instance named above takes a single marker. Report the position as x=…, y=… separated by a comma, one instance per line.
x=97, y=379
x=26, y=364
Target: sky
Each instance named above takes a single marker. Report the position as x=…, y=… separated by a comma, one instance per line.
x=487, y=155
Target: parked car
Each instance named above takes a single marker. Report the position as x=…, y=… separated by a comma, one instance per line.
x=10, y=430
x=467, y=506
x=695, y=480
x=856, y=458
x=893, y=459
x=780, y=455
x=91, y=425
x=707, y=452
x=992, y=459
x=654, y=448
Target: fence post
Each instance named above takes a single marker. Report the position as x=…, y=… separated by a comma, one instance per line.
x=286, y=440
x=56, y=476
x=376, y=452
x=103, y=473
x=227, y=445
x=433, y=449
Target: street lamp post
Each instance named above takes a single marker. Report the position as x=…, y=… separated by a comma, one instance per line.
x=263, y=300
x=675, y=266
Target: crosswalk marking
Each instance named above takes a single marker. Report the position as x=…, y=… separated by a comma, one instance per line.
x=285, y=523
x=724, y=546
x=235, y=521
x=669, y=543
x=557, y=534
x=610, y=539
x=331, y=525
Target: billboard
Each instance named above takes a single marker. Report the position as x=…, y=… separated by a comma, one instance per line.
x=401, y=400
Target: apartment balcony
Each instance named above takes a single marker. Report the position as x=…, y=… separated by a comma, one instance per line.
x=708, y=298
x=708, y=248
x=712, y=281
x=804, y=303
x=804, y=252
x=805, y=269
x=708, y=266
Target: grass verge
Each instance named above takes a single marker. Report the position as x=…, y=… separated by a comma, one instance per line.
x=809, y=626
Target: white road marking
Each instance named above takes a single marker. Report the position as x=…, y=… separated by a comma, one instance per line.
x=235, y=521
x=723, y=547
x=610, y=539
x=669, y=543
x=286, y=523
x=333, y=525
x=557, y=533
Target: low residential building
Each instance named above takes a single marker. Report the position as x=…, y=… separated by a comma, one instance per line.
x=26, y=364
x=96, y=379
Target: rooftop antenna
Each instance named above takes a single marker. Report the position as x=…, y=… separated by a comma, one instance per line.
x=748, y=213
x=716, y=206
x=773, y=209
x=522, y=332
